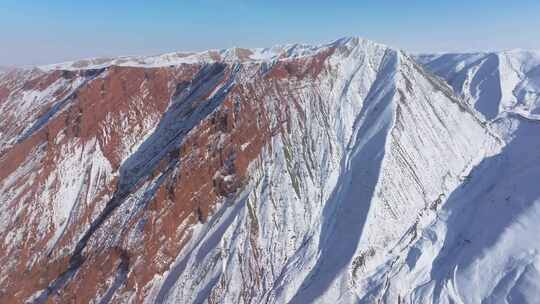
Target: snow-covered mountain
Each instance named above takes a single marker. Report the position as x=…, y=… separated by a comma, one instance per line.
x=345, y=172
x=495, y=83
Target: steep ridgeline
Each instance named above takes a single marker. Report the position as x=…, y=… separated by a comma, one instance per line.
x=483, y=246
x=293, y=174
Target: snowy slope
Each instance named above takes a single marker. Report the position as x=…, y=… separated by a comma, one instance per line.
x=482, y=245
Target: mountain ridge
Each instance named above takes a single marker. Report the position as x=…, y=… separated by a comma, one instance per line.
x=229, y=55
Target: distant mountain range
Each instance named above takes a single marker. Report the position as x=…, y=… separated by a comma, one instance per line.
x=348, y=172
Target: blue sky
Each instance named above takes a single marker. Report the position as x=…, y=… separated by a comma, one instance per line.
x=39, y=31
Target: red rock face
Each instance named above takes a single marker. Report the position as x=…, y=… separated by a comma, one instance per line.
x=93, y=114
x=155, y=150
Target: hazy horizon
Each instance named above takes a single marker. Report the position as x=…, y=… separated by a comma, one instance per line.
x=46, y=33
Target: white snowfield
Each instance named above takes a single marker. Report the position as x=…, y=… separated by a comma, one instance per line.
x=403, y=180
